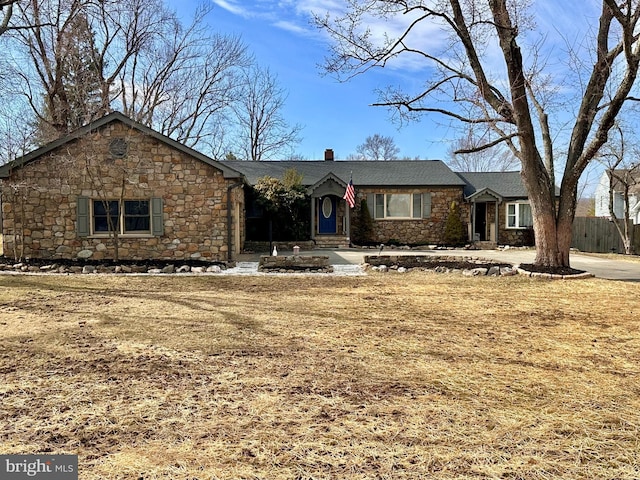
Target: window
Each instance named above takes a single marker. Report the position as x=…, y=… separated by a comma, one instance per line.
x=137, y=217
x=399, y=205
x=519, y=215
x=133, y=218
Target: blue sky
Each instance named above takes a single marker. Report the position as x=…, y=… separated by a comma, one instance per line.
x=334, y=115
x=338, y=115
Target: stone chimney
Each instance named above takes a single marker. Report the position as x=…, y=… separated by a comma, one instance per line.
x=328, y=155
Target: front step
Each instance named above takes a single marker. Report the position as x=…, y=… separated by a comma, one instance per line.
x=332, y=241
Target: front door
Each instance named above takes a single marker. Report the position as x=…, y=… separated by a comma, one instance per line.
x=327, y=218
x=481, y=222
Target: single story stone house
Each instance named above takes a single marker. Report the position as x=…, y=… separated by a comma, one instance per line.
x=116, y=188
x=409, y=201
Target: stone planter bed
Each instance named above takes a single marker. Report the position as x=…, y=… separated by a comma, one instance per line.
x=469, y=266
x=295, y=264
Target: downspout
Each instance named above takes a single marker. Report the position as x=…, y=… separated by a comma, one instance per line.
x=230, y=219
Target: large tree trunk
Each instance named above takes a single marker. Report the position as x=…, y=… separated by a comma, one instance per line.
x=552, y=224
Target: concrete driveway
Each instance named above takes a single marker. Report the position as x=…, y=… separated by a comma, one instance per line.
x=601, y=267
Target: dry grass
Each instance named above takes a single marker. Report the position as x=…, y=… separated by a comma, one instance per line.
x=386, y=376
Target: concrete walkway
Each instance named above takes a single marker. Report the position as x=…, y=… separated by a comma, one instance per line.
x=601, y=267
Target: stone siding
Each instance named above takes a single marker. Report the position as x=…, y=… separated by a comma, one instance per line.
x=422, y=231
x=40, y=200
x=516, y=237
x=295, y=263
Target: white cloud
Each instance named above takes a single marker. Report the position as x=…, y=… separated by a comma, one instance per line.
x=233, y=7
x=291, y=27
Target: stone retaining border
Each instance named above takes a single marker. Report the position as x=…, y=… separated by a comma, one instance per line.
x=23, y=267
x=486, y=267
x=553, y=276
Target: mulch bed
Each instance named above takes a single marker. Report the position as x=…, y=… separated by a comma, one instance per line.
x=529, y=267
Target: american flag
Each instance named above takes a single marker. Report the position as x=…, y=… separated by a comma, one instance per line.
x=350, y=194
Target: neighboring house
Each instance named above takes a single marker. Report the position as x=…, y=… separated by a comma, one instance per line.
x=167, y=201
x=612, y=181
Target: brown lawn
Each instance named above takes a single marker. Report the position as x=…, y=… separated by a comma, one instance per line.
x=386, y=376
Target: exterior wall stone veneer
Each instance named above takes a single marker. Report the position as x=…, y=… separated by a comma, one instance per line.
x=417, y=231
x=517, y=237
x=40, y=200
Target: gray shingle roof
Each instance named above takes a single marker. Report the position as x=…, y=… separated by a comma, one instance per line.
x=365, y=173
x=505, y=184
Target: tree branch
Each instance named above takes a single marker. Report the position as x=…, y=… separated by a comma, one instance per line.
x=487, y=145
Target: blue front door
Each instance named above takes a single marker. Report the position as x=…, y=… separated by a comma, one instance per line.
x=327, y=216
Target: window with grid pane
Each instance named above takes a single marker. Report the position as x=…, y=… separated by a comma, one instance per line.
x=133, y=217
x=519, y=215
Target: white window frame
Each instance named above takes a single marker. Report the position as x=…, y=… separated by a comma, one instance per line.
x=381, y=202
x=121, y=219
x=516, y=215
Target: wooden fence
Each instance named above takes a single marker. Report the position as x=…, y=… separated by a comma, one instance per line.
x=599, y=235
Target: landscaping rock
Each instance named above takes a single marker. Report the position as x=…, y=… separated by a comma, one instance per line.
x=494, y=271
x=84, y=254
x=507, y=271
x=475, y=272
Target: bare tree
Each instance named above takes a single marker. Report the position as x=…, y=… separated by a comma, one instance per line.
x=263, y=131
x=378, y=147
x=135, y=56
x=6, y=7
x=495, y=159
x=466, y=86
x=623, y=175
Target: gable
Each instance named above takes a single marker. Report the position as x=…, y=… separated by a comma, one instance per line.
x=620, y=177
x=115, y=117
x=329, y=185
x=500, y=184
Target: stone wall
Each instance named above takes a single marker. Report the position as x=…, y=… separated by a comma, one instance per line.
x=517, y=237
x=295, y=263
x=417, y=231
x=40, y=200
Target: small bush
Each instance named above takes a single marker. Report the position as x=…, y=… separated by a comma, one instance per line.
x=362, y=226
x=454, y=231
